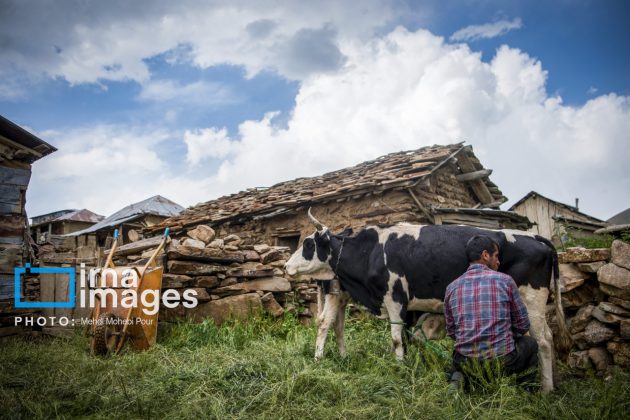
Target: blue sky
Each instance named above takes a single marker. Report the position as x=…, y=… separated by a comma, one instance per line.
x=199, y=99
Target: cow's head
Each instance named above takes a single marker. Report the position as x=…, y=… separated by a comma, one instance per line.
x=314, y=255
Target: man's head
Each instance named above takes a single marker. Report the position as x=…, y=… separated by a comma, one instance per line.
x=481, y=249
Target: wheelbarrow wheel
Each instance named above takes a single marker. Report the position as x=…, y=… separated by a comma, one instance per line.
x=107, y=334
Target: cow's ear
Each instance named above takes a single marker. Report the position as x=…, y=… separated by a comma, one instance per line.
x=322, y=238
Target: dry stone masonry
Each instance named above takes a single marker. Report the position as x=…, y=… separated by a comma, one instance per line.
x=595, y=286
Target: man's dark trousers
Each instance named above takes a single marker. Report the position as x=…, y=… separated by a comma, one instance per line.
x=523, y=358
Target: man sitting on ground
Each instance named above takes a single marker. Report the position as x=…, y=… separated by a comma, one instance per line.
x=486, y=316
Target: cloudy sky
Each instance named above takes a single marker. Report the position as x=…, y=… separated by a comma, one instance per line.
x=196, y=99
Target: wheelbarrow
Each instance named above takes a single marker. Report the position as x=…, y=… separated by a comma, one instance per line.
x=112, y=323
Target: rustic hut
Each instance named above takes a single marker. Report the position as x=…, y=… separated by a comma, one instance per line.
x=618, y=225
x=555, y=220
x=62, y=222
x=437, y=184
x=18, y=150
x=132, y=219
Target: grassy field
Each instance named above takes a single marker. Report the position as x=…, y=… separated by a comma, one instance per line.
x=265, y=369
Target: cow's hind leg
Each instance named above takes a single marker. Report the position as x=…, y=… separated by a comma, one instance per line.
x=536, y=302
x=326, y=318
x=340, y=322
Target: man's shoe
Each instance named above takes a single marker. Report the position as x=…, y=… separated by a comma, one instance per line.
x=455, y=383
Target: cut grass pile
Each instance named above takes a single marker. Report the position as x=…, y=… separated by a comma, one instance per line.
x=265, y=369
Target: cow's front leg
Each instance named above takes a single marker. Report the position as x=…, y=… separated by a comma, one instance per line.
x=340, y=322
x=396, y=310
x=327, y=317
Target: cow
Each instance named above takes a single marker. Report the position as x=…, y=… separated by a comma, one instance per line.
x=403, y=267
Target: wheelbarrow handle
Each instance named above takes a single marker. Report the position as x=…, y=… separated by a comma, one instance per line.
x=166, y=232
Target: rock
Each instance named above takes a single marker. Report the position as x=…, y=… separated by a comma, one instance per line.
x=230, y=247
x=583, y=255
x=228, y=282
x=205, y=281
x=289, y=308
x=193, y=243
x=579, y=340
x=262, y=248
x=271, y=305
x=581, y=319
x=271, y=255
x=204, y=254
x=579, y=296
x=605, y=317
x=194, y=268
x=278, y=263
x=250, y=255
x=217, y=243
x=591, y=267
x=579, y=360
x=596, y=332
x=233, y=240
x=202, y=233
x=570, y=277
x=271, y=284
x=174, y=281
x=614, y=309
x=620, y=302
x=238, y=307
x=620, y=352
x=601, y=358
x=614, y=280
x=624, y=329
x=251, y=270
x=202, y=294
x=620, y=254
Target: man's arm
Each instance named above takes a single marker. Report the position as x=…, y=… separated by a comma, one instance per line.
x=520, y=319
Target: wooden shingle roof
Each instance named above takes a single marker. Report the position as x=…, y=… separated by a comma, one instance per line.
x=395, y=170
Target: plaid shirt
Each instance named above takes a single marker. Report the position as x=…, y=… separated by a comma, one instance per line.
x=483, y=308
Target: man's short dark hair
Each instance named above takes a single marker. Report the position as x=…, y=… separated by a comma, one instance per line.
x=477, y=244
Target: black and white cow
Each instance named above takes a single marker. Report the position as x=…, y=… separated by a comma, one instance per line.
x=405, y=267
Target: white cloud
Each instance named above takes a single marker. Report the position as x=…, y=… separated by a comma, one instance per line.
x=207, y=143
x=88, y=42
x=488, y=30
x=443, y=94
x=401, y=91
x=196, y=93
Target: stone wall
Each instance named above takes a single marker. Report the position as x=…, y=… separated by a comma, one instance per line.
x=595, y=286
x=231, y=277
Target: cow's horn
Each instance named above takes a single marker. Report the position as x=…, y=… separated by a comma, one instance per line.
x=317, y=224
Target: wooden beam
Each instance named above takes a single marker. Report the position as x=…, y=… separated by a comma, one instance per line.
x=422, y=208
x=473, y=176
x=478, y=186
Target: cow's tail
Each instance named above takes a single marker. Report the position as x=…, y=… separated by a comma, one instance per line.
x=564, y=341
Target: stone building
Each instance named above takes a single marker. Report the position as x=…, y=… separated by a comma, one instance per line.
x=434, y=185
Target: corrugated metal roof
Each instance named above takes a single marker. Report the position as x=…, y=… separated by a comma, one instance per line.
x=156, y=205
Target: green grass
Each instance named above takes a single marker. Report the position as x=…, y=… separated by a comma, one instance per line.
x=265, y=369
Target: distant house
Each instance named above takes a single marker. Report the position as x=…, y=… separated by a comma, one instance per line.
x=554, y=220
x=618, y=225
x=19, y=149
x=134, y=217
x=62, y=222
